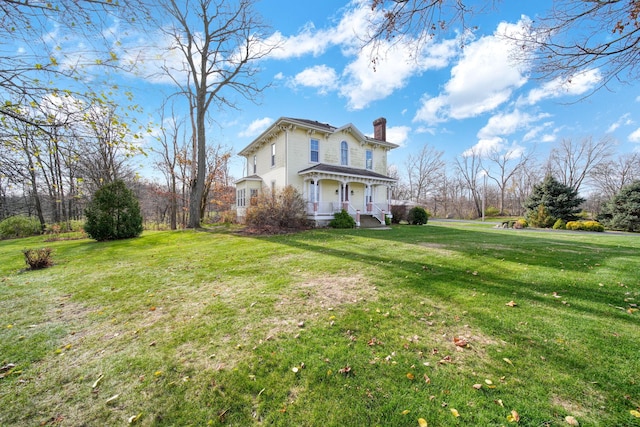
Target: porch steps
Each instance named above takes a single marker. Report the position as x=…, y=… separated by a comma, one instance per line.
x=369, y=221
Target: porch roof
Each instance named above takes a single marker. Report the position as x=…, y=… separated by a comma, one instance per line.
x=248, y=178
x=339, y=173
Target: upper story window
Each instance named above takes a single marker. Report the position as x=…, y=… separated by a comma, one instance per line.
x=255, y=164
x=273, y=154
x=344, y=153
x=314, y=154
x=369, y=159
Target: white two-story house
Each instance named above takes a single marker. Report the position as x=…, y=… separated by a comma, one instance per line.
x=334, y=168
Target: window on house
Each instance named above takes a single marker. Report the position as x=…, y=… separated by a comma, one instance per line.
x=315, y=153
x=344, y=153
x=253, y=200
x=240, y=198
x=255, y=163
x=273, y=154
x=369, y=159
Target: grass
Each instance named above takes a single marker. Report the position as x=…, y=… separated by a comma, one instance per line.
x=327, y=327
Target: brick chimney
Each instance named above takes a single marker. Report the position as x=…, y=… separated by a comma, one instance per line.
x=380, y=129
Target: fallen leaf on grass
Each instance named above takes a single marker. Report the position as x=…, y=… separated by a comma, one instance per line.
x=508, y=361
x=454, y=412
x=513, y=417
x=346, y=371
x=405, y=412
x=499, y=402
x=512, y=304
x=635, y=413
x=112, y=399
x=422, y=422
x=460, y=342
x=96, y=382
x=571, y=421
x=477, y=386
x=411, y=376
x=134, y=418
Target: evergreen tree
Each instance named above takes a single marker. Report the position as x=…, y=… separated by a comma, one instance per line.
x=555, y=200
x=113, y=213
x=622, y=212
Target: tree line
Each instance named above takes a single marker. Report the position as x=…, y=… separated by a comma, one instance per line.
x=498, y=182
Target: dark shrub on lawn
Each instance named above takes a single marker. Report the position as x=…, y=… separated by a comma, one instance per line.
x=37, y=259
x=399, y=213
x=418, y=216
x=113, y=213
x=276, y=212
x=342, y=219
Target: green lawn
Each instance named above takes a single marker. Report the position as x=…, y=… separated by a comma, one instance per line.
x=324, y=328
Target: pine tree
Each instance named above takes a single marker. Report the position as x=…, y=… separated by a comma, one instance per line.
x=622, y=212
x=113, y=213
x=555, y=200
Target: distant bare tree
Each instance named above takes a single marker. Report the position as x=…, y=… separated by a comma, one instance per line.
x=609, y=177
x=469, y=167
x=424, y=169
x=501, y=166
x=571, y=163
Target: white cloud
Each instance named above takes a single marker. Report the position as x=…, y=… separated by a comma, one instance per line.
x=635, y=136
x=483, y=79
x=256, y=127
x=398, y=134
x=624, y=120
x=485, y=146
x=319, y=76
x=508, y=123
x=365, y=84
x=579, y=84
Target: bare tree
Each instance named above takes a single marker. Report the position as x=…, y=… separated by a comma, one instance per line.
x=469, y=167
x=424, y=169
x=170, y=154
x=219, y=46
x=571, y=163
x=501, y=166
x=609, y=177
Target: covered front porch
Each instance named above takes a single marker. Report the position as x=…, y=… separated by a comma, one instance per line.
x=329, y=189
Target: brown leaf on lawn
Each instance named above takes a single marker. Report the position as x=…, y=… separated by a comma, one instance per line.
x=571, y=421
x=411, y=376
x=446, y=359
x=512, y=304
x=460, y=342
x=427, y=379
x=477, y=386
x=346, y=371
x=513, y=417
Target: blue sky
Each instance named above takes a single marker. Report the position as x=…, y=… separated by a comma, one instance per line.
x=451, y=98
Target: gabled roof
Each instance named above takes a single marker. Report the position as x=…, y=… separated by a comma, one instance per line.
x=324, y=128
x=345, y=171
